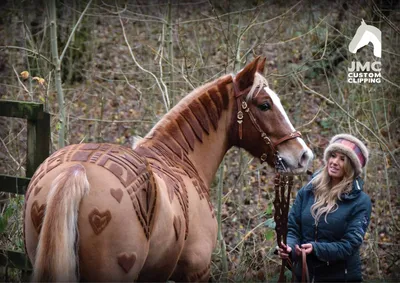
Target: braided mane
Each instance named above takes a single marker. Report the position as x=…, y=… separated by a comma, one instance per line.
x=197, y=113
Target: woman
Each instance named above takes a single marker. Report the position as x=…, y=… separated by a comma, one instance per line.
x=330, y=215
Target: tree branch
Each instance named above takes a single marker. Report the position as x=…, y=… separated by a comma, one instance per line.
x=73, y=31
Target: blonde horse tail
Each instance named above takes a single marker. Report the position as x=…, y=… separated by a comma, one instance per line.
x=57, y=257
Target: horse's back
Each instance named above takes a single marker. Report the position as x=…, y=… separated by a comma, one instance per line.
x=116, y=218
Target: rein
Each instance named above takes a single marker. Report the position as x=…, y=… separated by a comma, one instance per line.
x=283, y=183
x=283, y=187
x=243, y=107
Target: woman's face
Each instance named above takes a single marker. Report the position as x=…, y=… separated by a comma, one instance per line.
x=336, y=166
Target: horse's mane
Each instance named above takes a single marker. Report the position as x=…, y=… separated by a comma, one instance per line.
x=259, y=83
x=366, y=27
x=197, y=113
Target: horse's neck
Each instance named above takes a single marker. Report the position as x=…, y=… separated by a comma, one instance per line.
x=376, y=43
x=194, y=134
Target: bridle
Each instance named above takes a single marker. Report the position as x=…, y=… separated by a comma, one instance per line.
x=243, y=107
x=283, y=183
x=283, y=187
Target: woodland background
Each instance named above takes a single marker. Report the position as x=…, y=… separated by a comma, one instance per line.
x=125, y=59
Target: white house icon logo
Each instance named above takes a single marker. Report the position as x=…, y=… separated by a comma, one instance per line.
x=364, y=35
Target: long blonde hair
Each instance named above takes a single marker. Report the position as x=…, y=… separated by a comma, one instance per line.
x=325, y=195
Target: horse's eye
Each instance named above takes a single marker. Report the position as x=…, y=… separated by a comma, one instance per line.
x=265, y=106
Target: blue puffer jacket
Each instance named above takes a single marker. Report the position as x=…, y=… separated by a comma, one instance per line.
x=336, y=244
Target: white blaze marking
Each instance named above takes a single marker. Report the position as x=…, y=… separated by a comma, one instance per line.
x=278, y=104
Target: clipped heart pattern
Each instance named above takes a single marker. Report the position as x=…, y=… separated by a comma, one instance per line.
x=99, y=220
x=117, y=194
x=126, y=261
x=37, y=215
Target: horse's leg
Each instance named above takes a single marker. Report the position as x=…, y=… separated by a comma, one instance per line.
x=194, y=265
x=167, y=239
x=195, y=259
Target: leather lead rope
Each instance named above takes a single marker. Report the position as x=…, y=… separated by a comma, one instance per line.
x=283, y=188
x=305, y=277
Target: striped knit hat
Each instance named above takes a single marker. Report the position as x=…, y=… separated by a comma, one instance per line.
x=352, y=147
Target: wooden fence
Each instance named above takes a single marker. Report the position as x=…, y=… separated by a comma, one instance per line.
x=38, y=139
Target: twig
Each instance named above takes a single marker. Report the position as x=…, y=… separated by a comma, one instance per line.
x=217, y=17
x=381, y=15
x=164, y=96
x=219, y=213
x=246, y=236
x=313, y=91
x=132, y=86
x=390, y=82
x=279, y=16
x=161, y=68
x=26, y=49
x=325, y=44
x=297, y=37
x=312, y=120
x=389, y=200
x=17, y=75
x=366, y=127
x=13, y=159
x=170, y=48
x=73, y=31
x=220, y=16
x=57, y=73
x=110, y=121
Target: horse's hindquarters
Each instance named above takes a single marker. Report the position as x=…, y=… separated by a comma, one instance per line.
x=112, y=245
x=112, y=241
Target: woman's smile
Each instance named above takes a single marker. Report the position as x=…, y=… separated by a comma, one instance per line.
x=336, y=166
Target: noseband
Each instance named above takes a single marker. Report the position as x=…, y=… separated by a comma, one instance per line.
x=243, y=107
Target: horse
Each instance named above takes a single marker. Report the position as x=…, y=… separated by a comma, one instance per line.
x=105, y=212
x=364, y=35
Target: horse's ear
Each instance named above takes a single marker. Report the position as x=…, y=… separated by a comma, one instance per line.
x=245, y=77
x=261, y=65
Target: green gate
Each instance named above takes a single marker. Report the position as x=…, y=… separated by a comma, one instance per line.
x=38, y=139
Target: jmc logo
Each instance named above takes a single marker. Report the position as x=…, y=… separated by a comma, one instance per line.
x=369, y=72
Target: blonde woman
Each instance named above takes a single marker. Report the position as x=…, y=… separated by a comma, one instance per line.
x=330, y=215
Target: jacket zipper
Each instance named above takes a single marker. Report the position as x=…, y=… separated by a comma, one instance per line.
x=316, y=231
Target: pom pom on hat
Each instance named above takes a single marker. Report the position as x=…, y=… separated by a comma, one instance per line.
x=352, y=147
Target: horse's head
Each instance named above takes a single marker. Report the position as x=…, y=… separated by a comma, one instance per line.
x=364, y=35
x=262, y=126
x=359, y=39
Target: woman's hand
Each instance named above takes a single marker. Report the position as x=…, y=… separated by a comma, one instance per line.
x=298, y=250
x=307, y=247
x=284, y=251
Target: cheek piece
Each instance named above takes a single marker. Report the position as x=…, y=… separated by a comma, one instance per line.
x=243, y=107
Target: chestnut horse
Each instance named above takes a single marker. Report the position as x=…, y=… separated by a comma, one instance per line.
x=104, y=212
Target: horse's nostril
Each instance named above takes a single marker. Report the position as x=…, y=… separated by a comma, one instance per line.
x=305, y=158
